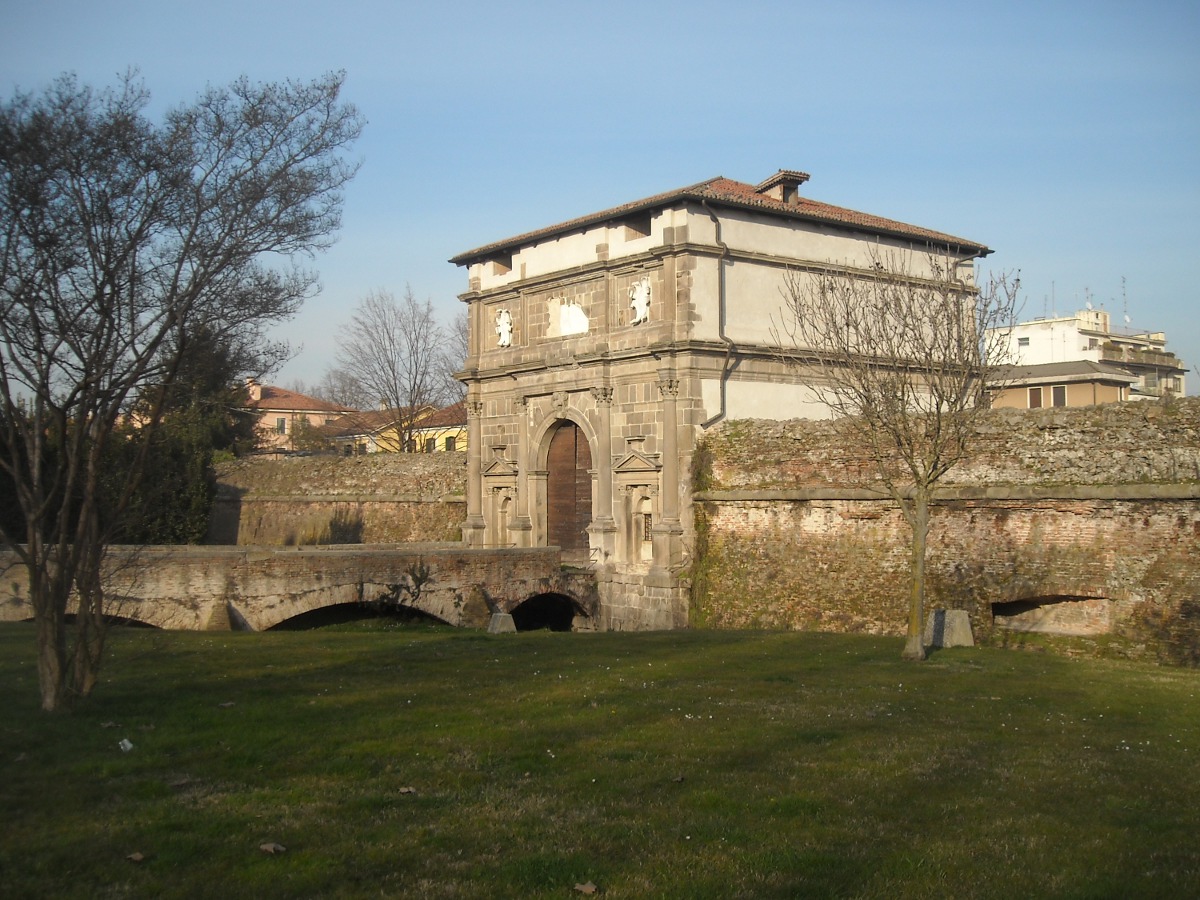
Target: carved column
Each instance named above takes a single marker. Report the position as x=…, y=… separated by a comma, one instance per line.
x=604, y=526
x=474, y=527
x=668, y=535
x=521, y=527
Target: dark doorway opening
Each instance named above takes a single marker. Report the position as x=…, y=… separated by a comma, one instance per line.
x=1069, y=615
x=555, y=612
x=569, y=490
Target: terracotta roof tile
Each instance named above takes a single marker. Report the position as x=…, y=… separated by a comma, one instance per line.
x=446, y=417
x=371, y=421
x=280, y=398
x=727, y=192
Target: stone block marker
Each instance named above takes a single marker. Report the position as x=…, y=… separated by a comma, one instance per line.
x=501, y=623
x=948, y=628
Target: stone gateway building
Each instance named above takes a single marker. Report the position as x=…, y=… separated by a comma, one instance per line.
x=602, y=347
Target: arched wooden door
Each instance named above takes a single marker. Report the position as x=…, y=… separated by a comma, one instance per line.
x=568, y=489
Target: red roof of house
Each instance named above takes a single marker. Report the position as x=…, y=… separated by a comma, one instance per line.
x=373, y=420
x=282, y=399
x=726, y=192
x=446, y=417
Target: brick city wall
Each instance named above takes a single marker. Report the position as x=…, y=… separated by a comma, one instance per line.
x=378, y=498
x=1082, y=520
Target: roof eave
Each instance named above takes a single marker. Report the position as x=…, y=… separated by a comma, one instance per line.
x=696, y=194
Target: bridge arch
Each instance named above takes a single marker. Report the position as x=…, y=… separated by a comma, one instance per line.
x=1080, y=614
x=550, y=610
x=340, y=613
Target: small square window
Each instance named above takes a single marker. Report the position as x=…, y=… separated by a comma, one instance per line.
x=637, y=226
x=1022, y=342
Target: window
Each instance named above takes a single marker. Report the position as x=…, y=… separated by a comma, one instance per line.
x=450, y=444
x=646, y=528
x=1023, y=342
x=1058, y=395
x=1035, y=398
x=281, y=425
x=430, y=445
x=637, y=226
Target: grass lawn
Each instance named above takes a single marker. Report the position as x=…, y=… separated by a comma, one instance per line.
x=413, y=761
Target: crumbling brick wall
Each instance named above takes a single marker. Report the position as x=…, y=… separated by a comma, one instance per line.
x=1101, y=502
x=378, y=498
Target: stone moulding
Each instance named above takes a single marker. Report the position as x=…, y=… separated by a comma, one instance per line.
x=1187, y=491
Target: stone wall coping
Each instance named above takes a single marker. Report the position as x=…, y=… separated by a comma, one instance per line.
x=950, y=493
x=230, y=496
x=201, y=551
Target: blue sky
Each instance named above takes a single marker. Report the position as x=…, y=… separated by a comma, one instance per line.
x=1064, y=135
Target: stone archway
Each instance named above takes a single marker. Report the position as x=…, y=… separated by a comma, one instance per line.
x=568, y=490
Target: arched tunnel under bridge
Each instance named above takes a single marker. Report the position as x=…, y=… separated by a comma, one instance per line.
x=551, y=611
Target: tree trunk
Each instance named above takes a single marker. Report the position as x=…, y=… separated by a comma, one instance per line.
x=914, y=645
x=52, y=660
x=90, y=627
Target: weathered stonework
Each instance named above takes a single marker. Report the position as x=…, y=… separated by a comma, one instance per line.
x=223, y=588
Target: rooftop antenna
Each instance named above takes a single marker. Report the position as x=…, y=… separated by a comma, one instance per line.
x=1124, y=301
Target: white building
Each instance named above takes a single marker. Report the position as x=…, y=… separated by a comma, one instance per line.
x=1089, y=335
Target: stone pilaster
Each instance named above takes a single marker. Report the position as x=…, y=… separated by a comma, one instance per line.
x=604, y=527
x=475, y=526
x=521, y=527
x=668, y=533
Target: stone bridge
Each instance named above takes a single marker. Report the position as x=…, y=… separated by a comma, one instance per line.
x=256, y=588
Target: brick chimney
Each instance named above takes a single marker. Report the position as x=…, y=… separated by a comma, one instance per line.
x=253, y=389
x=783, y=186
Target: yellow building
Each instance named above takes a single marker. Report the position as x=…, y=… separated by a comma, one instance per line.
x=444, y=430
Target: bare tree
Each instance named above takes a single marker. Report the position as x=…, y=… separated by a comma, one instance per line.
x=343, y=389
x=394, y=351
x=454, y=357
x=905, y=351
x=119, y=238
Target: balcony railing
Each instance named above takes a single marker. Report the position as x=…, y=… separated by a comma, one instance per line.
x=1142, y=357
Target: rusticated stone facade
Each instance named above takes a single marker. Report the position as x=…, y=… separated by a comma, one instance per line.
x=1080, y=521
